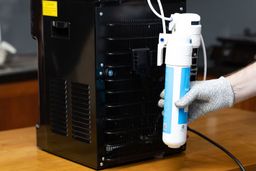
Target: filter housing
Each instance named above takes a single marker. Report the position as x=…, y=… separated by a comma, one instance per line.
x=99, y=81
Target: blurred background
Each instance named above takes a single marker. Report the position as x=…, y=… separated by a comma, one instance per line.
x=229, y=30
x=15, y=24
x=18, y=72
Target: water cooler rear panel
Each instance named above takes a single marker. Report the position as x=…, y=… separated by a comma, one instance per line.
x=129, y=83
x=99, y=83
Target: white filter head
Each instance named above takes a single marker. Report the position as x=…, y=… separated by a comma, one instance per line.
x=182, y=22
x=187, y=24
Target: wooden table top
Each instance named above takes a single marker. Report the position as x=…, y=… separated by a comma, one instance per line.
x=234, y=129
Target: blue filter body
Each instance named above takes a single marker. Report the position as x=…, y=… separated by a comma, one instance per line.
x=177, y=84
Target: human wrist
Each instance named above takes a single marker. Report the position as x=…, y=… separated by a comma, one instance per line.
x=227, y=91
x=235, y=85
x=243, y=83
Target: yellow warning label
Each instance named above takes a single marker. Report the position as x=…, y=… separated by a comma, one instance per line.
x=50, y=8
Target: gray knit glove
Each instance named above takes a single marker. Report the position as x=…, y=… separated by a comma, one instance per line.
x=205, y=96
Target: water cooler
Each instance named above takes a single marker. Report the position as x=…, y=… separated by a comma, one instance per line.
x=99, y=80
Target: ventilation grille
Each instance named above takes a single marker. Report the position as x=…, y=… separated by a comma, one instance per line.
x=133, y=83
x=70, y=105
x=132, y=117
x=81, y=113
x=122, y=38
x=58, y=106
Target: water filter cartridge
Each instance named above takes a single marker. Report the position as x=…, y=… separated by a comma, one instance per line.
x=185, y=31
x=177, y=83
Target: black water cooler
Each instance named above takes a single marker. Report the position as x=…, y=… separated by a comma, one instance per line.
x=99, y=81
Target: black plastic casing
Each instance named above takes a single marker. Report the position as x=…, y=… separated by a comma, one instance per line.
x=99, y=81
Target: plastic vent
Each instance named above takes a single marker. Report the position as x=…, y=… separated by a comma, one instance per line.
x=58, y=107
x=194, y=65
x=81, y=113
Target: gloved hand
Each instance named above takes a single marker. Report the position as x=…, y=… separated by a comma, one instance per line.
x=205, y=96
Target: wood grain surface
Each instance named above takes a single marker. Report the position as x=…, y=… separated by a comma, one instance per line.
x=18, y=104
x=235, y=129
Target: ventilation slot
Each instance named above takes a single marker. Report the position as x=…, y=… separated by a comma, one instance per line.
x=194, y=65
x=81, y=114
x=58, y=107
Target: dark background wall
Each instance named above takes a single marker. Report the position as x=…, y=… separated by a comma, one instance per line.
x=224, y=17
x=15, y=24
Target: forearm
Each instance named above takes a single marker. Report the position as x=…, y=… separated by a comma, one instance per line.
x=243, y=83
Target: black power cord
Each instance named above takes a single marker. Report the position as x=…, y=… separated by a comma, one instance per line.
x=238, y=162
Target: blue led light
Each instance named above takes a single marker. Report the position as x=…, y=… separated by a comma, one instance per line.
x=110, y=73
x=161, y=39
